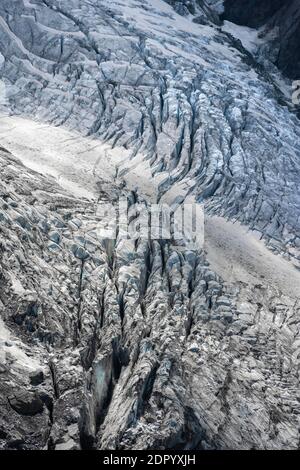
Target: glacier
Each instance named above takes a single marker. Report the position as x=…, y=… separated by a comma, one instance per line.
x=146, y=344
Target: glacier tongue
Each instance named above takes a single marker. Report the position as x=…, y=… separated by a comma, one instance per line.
x=143, y=344
x=139, y=76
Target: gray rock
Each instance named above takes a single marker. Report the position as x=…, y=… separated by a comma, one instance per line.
x=36, y=377
x=278, y=15
x=26, y=403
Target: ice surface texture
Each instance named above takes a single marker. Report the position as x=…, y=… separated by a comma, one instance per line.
x=142, y=345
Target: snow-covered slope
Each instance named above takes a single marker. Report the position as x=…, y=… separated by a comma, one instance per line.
x=279, y=21
x=142, y=343
x=138, y=75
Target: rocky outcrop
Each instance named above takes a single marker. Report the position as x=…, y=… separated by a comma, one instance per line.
x=203, y=11
x=253, y=13
x=281, y=16
x=287, y=21
x=26, y=403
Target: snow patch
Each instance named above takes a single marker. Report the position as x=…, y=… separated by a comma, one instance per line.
x=13, y=350
x=249, y=37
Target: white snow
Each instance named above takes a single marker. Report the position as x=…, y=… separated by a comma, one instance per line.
x=78, y=163
x=12, y=349
x=16, y=287
x=249, y=37
x=67, y=156
x=237, y=255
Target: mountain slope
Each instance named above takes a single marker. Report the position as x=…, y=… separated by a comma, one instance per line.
x=142, y=344
x=282, y=18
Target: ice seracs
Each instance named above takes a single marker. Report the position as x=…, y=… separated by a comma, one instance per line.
x=144, y=344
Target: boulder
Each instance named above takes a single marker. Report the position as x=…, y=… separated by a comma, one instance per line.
x=26, y=403
x=36, y=377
